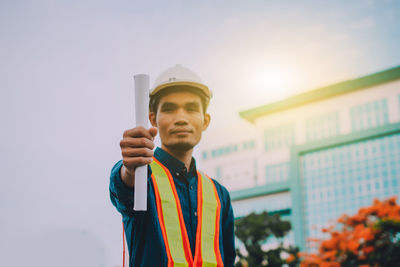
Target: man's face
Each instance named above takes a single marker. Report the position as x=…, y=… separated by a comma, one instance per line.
x=180, y=120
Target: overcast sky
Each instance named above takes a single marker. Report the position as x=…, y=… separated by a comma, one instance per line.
x=66, y=79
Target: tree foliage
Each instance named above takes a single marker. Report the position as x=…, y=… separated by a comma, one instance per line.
x=253, y=230
x=370, y=238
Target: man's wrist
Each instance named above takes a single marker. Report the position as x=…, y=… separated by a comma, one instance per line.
x=127, y=177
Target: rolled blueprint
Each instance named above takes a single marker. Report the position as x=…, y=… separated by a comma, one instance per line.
x=142, y=84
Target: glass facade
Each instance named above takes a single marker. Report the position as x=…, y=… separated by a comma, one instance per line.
x=277, y=173
x=322, y=126
x=369, y=115
x=278, y=137
x=344, y=178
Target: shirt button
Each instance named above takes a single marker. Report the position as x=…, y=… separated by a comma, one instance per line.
x=195, y=213
x=191, y=187
x=177, y=174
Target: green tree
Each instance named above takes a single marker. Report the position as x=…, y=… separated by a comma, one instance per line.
x=253, y=231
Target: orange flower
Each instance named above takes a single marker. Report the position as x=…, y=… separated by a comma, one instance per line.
x=394, y=213
x=384, y=211
x=290, y=258
x=329, y=244
x=343, y=218
x=392, y=200
x=359, y=235
x=368, y=249
x=304, y=254
x=358, y=218
x=359, y=228
x=362, y=257
x=367, y=234
x=329, y=264
x=353, y=246
x=330, y=255
x=342, y=245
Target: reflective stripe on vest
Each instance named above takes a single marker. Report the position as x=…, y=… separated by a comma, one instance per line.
x=207, y=252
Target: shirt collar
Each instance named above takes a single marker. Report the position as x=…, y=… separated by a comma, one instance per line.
x=173, y=164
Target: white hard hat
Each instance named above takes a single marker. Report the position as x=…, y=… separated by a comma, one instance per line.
x=177, y=76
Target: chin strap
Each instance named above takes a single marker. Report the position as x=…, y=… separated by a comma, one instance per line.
x=123, y=245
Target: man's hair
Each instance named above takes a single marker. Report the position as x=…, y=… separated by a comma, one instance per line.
x=155, y=99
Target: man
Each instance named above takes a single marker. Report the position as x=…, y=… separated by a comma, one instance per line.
x=189, y=219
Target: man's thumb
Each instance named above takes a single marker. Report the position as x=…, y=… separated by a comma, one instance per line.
x=153, y=131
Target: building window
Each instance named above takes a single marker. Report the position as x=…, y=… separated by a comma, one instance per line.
x=249, y=144
x=279, y=137
x=204, y=155
x=223, y=151
x=369, y=115
x=277, y=173
x=322, y=126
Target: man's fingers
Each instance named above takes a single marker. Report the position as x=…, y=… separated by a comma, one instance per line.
x=132, y=163
x=153, y=131
x=136, y=142
x=136, y=147
x=137, y=152
x=138, y=132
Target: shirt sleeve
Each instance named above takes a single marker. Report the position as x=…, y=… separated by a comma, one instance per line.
x=121, y=195
x=228, y=225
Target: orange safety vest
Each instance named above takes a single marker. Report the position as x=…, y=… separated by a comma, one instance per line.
x=173, y=227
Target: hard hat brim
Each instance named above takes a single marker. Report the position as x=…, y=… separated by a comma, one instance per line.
x=198, y=86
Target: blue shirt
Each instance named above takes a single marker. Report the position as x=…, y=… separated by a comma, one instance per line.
x=142, y=228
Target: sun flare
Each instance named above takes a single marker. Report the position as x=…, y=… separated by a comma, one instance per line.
x=274, y=82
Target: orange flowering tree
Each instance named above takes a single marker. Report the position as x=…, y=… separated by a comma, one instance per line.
x=370, y=238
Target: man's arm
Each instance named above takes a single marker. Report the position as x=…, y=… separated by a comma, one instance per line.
x=121, y=195
x=228, y=231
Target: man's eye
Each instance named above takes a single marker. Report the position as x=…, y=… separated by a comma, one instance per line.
x=194, y=109
x=167, y=109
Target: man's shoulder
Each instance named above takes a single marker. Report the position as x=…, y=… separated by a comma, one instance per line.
x=222, y=189
x=217, y=184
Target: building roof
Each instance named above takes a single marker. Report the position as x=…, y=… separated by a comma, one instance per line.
x=322, y=93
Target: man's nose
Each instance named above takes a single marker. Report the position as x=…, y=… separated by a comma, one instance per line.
x=181, y=117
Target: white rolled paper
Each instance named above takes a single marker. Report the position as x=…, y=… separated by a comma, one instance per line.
x=142, y=85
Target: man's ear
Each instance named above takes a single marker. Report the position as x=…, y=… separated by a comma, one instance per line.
x=207, y=119
x=152, y=118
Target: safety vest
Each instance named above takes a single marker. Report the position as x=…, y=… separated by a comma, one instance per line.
x=173, y=227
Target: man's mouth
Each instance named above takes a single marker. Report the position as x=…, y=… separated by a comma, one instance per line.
x=181, y=131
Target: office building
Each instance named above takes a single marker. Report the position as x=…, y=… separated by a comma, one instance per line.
x=316, y=155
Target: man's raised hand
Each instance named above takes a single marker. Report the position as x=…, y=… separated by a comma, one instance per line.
x=137, y=150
